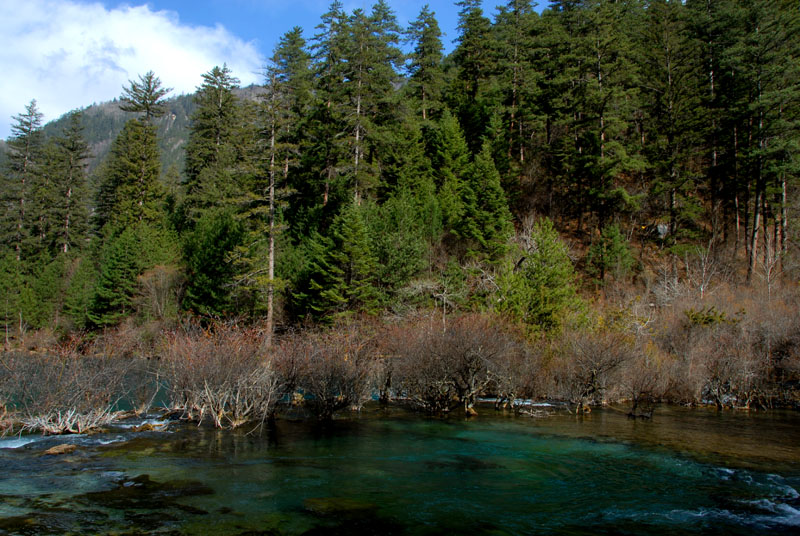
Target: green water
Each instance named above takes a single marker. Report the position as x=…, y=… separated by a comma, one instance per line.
x=685, y=472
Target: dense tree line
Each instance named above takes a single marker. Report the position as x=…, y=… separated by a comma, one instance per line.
x=364, y=179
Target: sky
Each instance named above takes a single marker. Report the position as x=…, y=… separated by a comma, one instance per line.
x=68, y=54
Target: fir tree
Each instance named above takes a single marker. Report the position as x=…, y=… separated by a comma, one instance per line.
x=487, y=219
x=211, y=151
x=670, y=66
x=130, y=191
x=610, y=253
x=71, y=211
x=210, y=270
x=145, y=96
x=426, y=76
x=340, y=276
x=113, y=297
x=24, y=161
x=539, y=289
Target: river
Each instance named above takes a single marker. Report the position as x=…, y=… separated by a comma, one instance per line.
x=686, y=471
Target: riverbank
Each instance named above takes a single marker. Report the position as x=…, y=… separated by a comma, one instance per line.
x=233, y=376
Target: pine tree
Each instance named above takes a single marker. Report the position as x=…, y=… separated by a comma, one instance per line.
x=71, y=211
x=114, y=292
x=425, y=73
x=211, y=151
x=130, y=191
x=450, y=161
x=79, y=291
x=473, y=62
x=340, y=276
x=517, y=79
x=397, y=237
x=123, y=256
x=24, y=161
x=673, y=125
x=602, y=82
x=539, y=289
x=286, y=98
x=763, y=58
x=145, y=96
x=210, y=270
x=487, y=219
x=609, y=254
x=372, y=58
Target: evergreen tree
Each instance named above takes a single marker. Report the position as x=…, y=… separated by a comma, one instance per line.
x=24, y=161
x=71, y=210
x=601, y=84
x=340, y=275
x=674, y=126
x=12, y=290
x=426, y=76
x=113, y=297
x=517, y=78
x=212, y=151
x=123, y=257
x=539, y=289
x=487, y=219
x=473, y=61
x=145, y=96
x=130, y=191
x=397, y=237
x=210, y=270
x=610, y=254
x=450, y=161
x=79, y=291
x=764, y=59
x=372, y=58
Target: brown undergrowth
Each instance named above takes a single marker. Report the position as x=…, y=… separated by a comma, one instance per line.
x=732, y=348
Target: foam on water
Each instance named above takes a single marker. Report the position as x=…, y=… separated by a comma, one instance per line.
x=19, y=441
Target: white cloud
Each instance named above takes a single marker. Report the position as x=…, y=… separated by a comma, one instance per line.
x=67, y=54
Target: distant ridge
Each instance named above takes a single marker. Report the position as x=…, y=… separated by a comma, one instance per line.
x=104, y=121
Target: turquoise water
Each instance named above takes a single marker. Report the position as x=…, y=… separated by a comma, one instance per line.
x=685, y=472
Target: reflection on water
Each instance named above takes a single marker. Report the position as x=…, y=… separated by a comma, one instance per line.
x=687, y=471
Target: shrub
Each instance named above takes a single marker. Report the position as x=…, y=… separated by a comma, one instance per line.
x=220, y=373
x=333, y=368
x=60, y=394
x=438, y=368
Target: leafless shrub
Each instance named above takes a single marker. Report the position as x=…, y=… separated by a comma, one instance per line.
x=127, y=340
x=438, y=369
x=643, y=380
x=62, y=394
x=220, y=373
x=333, y=369
x=729, y=349
x=160, y=291
x=586, y=369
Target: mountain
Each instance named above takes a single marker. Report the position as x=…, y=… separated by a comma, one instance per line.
x=103, y=122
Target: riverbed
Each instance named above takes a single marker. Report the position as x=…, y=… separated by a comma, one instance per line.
x=686, y=471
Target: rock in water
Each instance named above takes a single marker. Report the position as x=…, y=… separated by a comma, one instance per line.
x=337, y=506
x=64, y=448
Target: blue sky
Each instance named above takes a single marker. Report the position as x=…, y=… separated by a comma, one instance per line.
x=70, y=53
x=264, y=21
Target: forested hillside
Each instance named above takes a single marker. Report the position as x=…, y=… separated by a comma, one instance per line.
x=549, y=159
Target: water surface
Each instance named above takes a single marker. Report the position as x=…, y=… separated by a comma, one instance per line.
x=684, y=472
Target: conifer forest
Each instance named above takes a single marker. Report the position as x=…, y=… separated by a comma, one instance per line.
x=595, y=203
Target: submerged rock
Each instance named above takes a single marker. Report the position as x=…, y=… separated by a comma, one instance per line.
x=337, y=506
x=462, y=463
x=58, y=450
x=142, y=493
